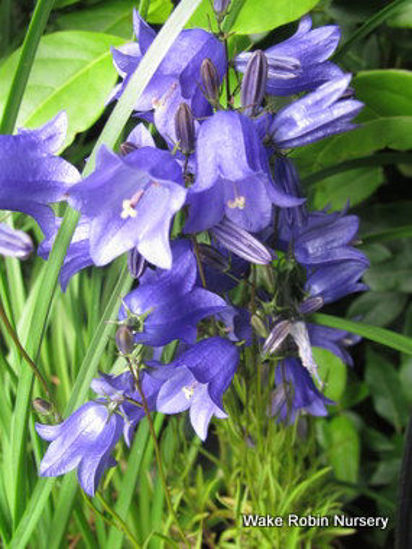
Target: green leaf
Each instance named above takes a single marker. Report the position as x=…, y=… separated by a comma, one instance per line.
x=403, y=18
x=353, y=186
x=73, y=71
x=332, y=372
x=388, y=338
x=113, y=17
x=394, y=132
x=378, y=308
x=386, y=389
x=343, y=448
x=255, y=17
x=394, y=274
x=384, y=92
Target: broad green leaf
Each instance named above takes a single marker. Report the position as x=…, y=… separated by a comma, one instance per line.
x=384, y=92
x=378, y=308
x=254, y=16
x=113, y=17
x=332, y=372
x=394, y=274
x=394, y=132
x=351, y=186
x=403, y=18
x=343, y=448
x=73, y=71
x=386, y=389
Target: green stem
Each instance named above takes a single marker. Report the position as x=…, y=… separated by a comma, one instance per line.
x=28, y=52
x=117, y=521
x=369, y=26
x=157, y=453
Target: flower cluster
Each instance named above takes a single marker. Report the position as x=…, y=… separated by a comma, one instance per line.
x=224, y=187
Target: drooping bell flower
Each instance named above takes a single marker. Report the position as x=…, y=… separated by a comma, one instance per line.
x=171, y=301
x=232, y=177
x=299, y=63
x=180, y=66
x=197, y=380
x=14, y=243
x=295, y=393
x=319, y=114
x=130, y=202
x=84, y=441
x=31, y=175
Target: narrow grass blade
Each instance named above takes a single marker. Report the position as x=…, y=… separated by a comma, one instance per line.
x=385, y=337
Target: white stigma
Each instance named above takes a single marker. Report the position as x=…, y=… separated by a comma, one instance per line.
x=128, y=210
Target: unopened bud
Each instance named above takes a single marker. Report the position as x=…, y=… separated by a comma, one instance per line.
x=124, y=340
x=212, y=257
x=220, y=6
x=254, y=81
x=185, y=128
x=126, y=148
x=41, y=406
x=259, y=326
x=14, y=243
x=277, y=336
x=136, y=264
x=241, y=243
x=210, y=81
x=311, y=305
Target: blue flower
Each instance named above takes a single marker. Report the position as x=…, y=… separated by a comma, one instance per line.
x=84, y=441
x=122, y=390
x=130, y=202
x=14, y=243
x=31, y=175
x=336, y=280
x=300, y=62
x=179, y=69
x=197, y=380
x=172, y=301
x=333, y=340
x=233, y=177
x=317, y=115
x=295, y=392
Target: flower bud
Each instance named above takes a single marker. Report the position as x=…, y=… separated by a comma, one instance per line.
x=212, y=257
x=185, y=128
x=220, y=6
x=241, y=243
x=259, y=326
x=254, y=81
x=14, y=243
x=41, y=406
x=136, y=264
x=126, y=148
x=124, y=340
x=311, y=305
x=210, y=81
x=277, y=336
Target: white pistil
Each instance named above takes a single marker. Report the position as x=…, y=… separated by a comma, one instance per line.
x=129, y=205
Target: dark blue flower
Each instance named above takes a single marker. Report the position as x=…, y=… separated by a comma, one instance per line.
x=295, y=392
x=31, y=176
x=300, y=62
x=336, y=280
x=14, y=243
x=197, y=380
x=172, y=301
x=317, y=115
x=233, y=177
x=84, y=441
x=333, y=340
x=130, y=202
